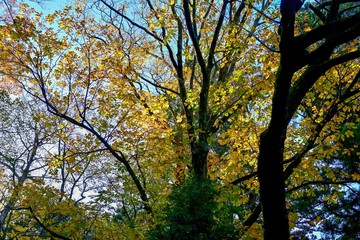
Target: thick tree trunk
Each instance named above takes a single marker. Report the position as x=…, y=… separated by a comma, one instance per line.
x=200, y=152
x=272, y=187
x=271, y=178
x=270, y=161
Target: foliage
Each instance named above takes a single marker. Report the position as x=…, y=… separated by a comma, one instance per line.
x=193, y=213
x=179, y=119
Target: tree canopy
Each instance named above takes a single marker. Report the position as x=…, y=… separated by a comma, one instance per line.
x=189, y=119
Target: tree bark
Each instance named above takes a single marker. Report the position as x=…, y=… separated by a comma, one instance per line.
x=199, y=159
x=272, y=187
x=270, y=162
x=286, y=99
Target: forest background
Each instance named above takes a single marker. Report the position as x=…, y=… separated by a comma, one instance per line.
x=201, y=119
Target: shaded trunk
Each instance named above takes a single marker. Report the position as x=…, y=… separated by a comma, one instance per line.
x=270, y=161
x=272, y=188
x=199, y=154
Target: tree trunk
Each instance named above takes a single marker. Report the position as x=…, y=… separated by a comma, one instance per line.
x=199, y=158
x=272, y=187
x=270, y=161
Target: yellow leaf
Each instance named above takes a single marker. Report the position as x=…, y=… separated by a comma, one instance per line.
x=356, y=176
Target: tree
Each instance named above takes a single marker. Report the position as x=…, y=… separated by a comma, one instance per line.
x=21, y=142
x=176, y=91
x=26, y=145
x=288, y=95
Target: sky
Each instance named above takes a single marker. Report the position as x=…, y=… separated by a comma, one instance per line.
x=48, y=6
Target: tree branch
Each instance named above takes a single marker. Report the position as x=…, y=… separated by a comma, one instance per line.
x=216, y=34
x=131, y=21
x=54, y=234
x=325, y=31
x=310, y=76
x=193, y=37
x=304, y=184
x=252, y=218
x=244, y=178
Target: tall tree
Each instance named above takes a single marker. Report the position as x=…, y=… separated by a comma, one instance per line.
x=296, y=54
